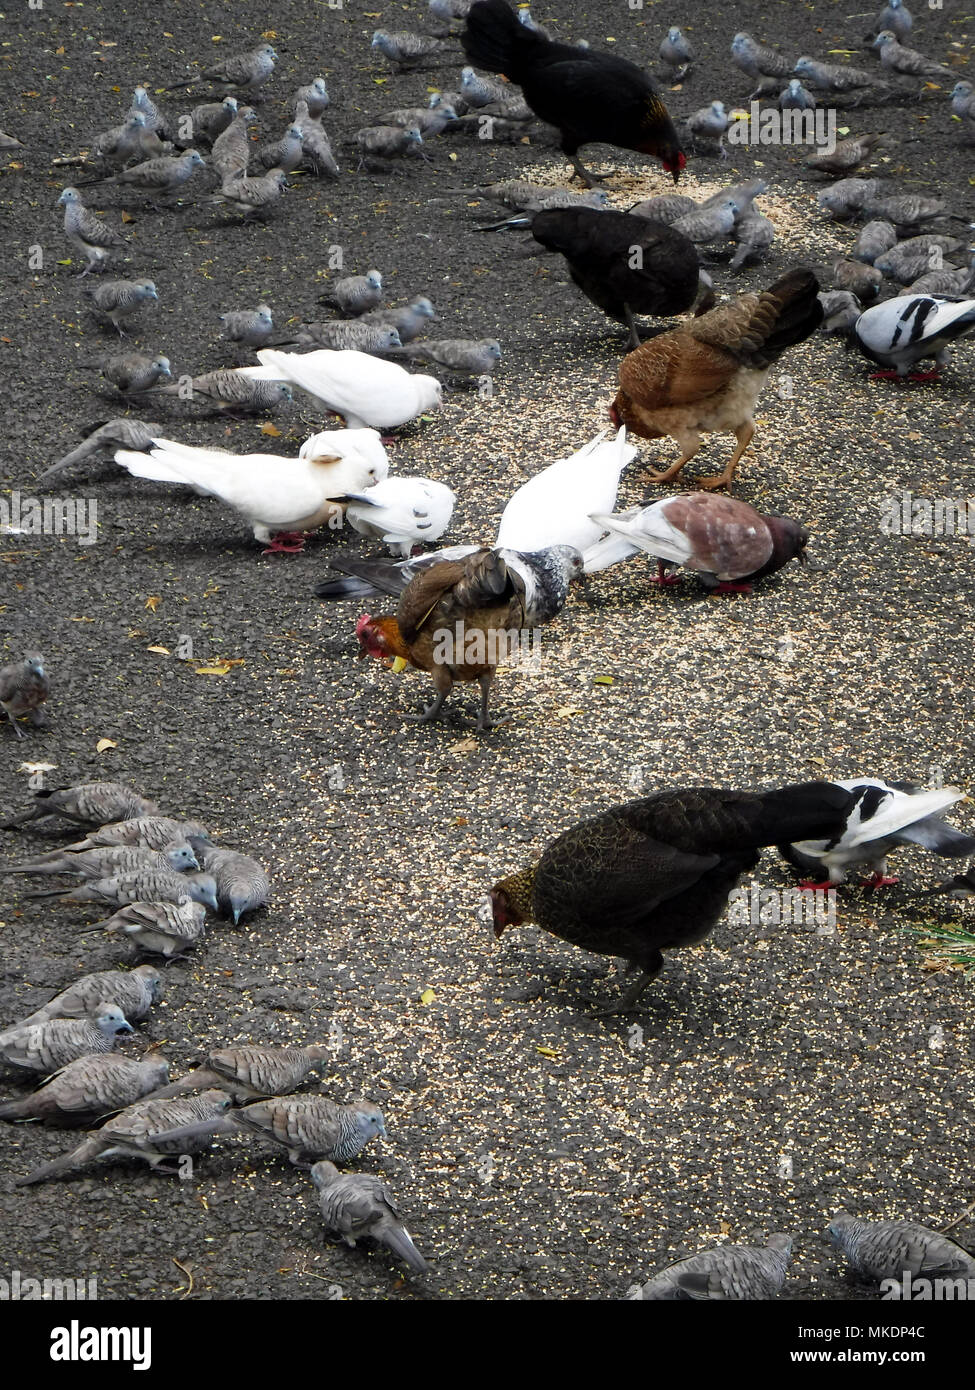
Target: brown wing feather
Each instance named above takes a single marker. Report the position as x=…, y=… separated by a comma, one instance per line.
x=676, y=369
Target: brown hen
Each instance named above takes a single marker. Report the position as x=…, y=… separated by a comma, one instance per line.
x=706, y=375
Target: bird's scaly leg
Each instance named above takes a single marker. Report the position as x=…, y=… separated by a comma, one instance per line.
x=430, y=711
x=484, y=722
x=744, y=436
x=631, y=324
x=669, y=474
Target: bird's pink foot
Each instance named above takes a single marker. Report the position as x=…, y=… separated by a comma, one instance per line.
x=880, y=881
x=810, y=885
x=286, y=543
x=664, y=577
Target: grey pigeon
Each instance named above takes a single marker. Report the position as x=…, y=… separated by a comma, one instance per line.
x=242, y=884
x=906, y=61
x=355, y=1206
x=355, y=294
x=315, y=144
x=756, y=60
x=708, y=224
x=450, y=9
x=24, y=687
x=115, y=300
x=676, y=54
x=88, y=233
x=88, y=1088
x=9, y=142
x=896, y=17
x=847, y=197
x=510, y=110
x=665, y=207
x=114, y=434
x=910, y=259
x=708, y=126
x=132, y=991
x=286, y=153
x=841, y=309
x=314, y=96
x=753, y=234
x=211, y=119
x=347, y=335
x=107, y=860
x=142, y=102
x=241, y=72
x=224, y=389
x=835, y=77
x=794, y=97
x=140, y=885
x=944, y=282
x=88, y=803
x=480, y=91
x=845, y=157
x=403, y=48
x=464, y=356
x=250, y=1072
x=520, y=195
x=891, y=1249
x=151, y=832
x=876, y=237
x=963, y=106
x=907, y=211
x=135, y=1134
x=252, y=195
x=862, y=280
x=164, y=175
x=384, y=141
x=122, y=142
x=409, y=320
x=252, y=327
x=730, y=1272
x=309, y=1127
x=230, y=154
x=166, y=929
x=43, y=1047
x=131, y=373
x=456, y=100
x=427, y=121
x=742, y=195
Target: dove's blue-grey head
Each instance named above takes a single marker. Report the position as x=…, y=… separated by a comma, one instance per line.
x=323, y=1173
x=69, y=196
x=202, y=888
x=368, y=1120
x=110, y=1020
x=374, y=279
x=885, y=37
x=413, y=135
x=180, y=857
x=423, y=307
x=146, y=289
x=390, y=338
x=34, y=662
x=803, y=67
x=161, y=364
x=842, y=1230
x=153, y=981
x=674, y=34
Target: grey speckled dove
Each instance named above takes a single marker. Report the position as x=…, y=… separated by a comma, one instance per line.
x=731, y=1272
x=88, y=1088
x=891, y=1249
x=161, y=928
x=135, y=1134
x=309, y=1127
x=132, y=991
x=88, y=803
x=355, y=1206
x=250, y=1072
x=24, y=687
x=43, y=1047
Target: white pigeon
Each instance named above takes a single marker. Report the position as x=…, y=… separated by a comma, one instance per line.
x=900, y=332
x=402, y=511
x=365, y=390
x=367, y=443
x=274, y=494
x=886, y=815
x=554, y=507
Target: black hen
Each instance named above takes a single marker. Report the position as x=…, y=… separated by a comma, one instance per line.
x=624, y=264
x=656, y=873
x=588, y=96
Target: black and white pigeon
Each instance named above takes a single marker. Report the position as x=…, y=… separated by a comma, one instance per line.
x=958, y=886
x=901, y=332
x=884, y=817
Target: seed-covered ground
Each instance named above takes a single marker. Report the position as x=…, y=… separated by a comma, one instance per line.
x=776, y=1073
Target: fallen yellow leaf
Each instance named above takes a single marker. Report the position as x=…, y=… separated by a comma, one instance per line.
x=269, y=428
x=163, y=651
x=428, y=996
x=105, y=743
x=153, y=602
x=547, y=1051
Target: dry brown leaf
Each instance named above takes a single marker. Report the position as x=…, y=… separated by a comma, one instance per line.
x=153, y=602
x=104, y=744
